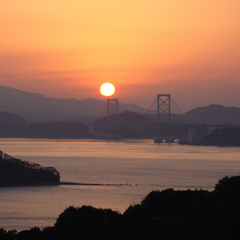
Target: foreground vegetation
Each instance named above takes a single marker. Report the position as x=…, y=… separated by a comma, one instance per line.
x=167, y=214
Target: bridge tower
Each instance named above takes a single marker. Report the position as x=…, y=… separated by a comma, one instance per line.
x=112, y=119
x=163, y=108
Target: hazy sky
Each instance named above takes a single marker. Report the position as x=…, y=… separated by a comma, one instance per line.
x=68, y=48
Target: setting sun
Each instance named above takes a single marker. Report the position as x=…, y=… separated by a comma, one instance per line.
x=68, y=49
x=107, y=89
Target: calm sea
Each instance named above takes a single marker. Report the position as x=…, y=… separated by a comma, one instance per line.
x=125, y=170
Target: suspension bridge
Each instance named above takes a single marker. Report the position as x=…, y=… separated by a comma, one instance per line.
x=117, y=122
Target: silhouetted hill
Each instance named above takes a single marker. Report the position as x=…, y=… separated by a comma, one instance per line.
x=124, y=116
x=11, y=118
x=33, y=106
x=213, y=114
x=17, y=172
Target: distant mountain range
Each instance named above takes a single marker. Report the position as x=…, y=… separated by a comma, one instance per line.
x=34, y=107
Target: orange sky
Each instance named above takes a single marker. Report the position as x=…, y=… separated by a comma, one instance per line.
x=68, y=48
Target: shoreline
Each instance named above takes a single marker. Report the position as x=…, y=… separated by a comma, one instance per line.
x=62, y=183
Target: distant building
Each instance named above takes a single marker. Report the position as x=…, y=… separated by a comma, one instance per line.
x=96, y=131
x=197, y=134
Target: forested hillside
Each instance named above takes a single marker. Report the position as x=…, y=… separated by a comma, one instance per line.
x=14, y=172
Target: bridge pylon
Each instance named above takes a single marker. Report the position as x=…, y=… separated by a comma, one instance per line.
x=112, y=119
x=163, y=108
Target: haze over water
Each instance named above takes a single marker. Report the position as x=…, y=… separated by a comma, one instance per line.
x=126, y=172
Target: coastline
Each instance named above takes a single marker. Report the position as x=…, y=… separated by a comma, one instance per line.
x=61, y=183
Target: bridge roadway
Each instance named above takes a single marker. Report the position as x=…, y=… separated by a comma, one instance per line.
x=137, y=124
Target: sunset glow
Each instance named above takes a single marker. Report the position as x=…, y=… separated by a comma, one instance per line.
x=66, y=49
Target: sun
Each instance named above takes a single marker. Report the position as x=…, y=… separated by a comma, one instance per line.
x=107, y=89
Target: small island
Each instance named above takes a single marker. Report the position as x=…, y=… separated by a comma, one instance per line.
x=16, y=172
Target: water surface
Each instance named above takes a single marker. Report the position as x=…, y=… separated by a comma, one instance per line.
x=126, y=171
